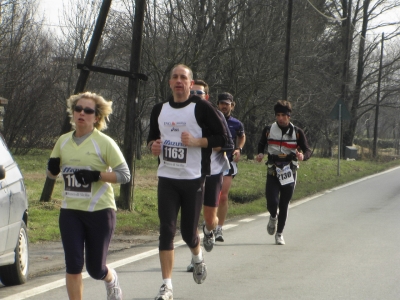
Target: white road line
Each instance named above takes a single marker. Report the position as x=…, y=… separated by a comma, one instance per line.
x=122, y=262
x=246, y=220
x=59, y=283
x=37, y=290
x=226, y=227
x=266, y=214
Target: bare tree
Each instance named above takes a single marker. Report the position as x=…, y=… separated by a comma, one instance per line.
x=27, y=77
x=234, y=45
x=365, y=74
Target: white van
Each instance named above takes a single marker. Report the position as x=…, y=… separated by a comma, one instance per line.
x=14, y=246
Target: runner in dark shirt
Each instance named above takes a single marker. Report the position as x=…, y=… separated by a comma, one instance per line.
x=287, y=145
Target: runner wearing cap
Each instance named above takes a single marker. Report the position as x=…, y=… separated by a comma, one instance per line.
x=226, y=105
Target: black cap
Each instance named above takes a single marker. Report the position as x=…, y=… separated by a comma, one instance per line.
x=225, y=97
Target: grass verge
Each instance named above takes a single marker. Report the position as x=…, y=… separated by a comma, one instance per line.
x=246, y=194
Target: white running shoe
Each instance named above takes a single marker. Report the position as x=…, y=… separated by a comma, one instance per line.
x=190, y=267
x=199, y=272
x=208, y=240
x=114, y=292
x=218, y=235
x=165, y=293
x=279, y=239
x=272, y=225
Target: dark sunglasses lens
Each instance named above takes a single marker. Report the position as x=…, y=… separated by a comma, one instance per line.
x=87, y=110
x=198, y=92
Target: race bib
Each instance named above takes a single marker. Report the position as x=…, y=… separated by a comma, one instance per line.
x=174, y=156
x=72, y=188
x=174, y=152
x=285, y=175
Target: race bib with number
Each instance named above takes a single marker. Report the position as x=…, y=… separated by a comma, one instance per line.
x=174, y=156
x=285, y=175
x=73, y=189
x=174, y=152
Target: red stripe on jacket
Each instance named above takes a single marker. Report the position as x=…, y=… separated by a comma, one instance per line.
x=284, y=144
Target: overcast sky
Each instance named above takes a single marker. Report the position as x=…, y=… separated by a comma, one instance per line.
x=51, y=9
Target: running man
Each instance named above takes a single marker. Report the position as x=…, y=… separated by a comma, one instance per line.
x=226, y=106
x=182, y=133
x=213, y=184
x=287, y=145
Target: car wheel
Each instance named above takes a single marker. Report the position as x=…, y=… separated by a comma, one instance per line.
x=17, y=273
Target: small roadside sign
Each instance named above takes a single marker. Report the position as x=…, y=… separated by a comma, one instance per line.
x=344, y=112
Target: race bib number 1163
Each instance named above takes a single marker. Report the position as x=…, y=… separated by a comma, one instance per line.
x=175, y=156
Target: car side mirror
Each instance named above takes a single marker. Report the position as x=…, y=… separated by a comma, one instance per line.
x=2, y=172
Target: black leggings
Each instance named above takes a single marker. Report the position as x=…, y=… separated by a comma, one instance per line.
x=91, y=231
x=279, y=196
x=173, y=195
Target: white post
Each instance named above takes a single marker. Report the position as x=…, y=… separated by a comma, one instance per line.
x=340, y=135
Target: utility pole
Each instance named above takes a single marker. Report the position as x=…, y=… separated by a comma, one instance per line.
x=90, y=55
x=346, y=64
x=346, y=52
x=134, y=77
x=81, y=83
x=374, y=152
x=287, y=51
x=126, y=191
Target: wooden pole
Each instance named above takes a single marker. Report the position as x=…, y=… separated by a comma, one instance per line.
x=374, y=147
x=81, y=83
x=126, y=191
x=287, y=51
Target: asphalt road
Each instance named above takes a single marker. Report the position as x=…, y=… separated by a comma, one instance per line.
x=342, y=244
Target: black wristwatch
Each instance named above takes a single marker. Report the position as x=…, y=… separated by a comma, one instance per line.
x=240, y=150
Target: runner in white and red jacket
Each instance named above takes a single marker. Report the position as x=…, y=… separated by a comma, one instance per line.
x=286, y=145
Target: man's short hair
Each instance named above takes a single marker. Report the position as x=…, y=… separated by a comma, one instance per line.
x=283, y=106
x=183, y=66
x=202, y=83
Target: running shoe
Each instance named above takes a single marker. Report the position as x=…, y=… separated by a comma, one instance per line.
x=200, y=272
x=190, y=267
x=218, y=235
x=114, y=292
x=272, y=225
x=165, y=293
x=208, y=240
x=279, y=239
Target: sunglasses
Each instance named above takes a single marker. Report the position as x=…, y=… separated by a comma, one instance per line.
x=87, y=110
x=197, y=92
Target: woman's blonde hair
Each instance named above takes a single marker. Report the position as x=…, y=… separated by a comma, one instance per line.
x=103, y=108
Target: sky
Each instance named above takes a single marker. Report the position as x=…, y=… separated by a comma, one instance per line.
x=51, y=10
